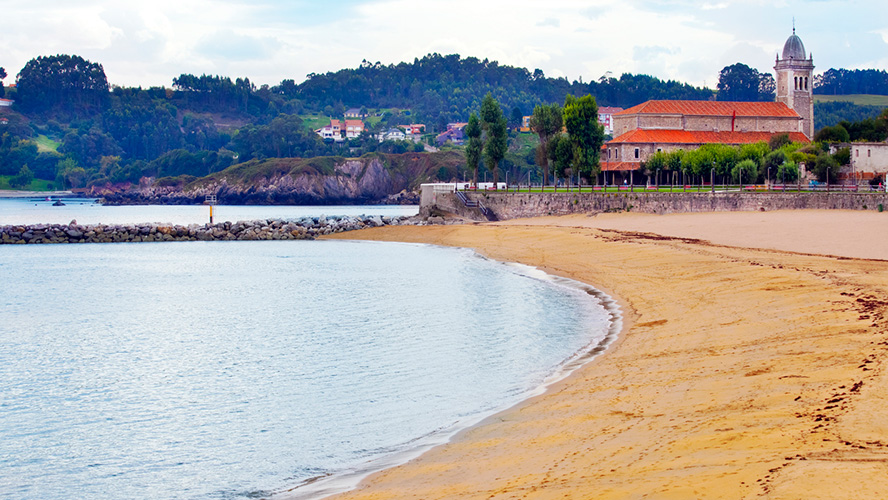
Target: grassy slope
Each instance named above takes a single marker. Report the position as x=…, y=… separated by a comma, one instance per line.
x=858, y=99
x=35, y=185
x=46, y=144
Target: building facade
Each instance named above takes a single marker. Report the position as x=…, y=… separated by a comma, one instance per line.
x=869, y=160
x=656, y=126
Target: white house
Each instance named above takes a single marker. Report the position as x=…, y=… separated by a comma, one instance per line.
x=392, y=134
x=333, y=131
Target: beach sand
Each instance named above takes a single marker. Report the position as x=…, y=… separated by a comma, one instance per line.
x=740, y=373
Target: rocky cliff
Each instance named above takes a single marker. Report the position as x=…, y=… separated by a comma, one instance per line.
x=377, y=178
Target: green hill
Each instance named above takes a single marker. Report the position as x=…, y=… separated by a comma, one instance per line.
x=857, y=99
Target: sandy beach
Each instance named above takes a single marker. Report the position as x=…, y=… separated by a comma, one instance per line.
x=740, y=373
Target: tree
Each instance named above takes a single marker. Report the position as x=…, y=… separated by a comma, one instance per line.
x=745, y=171
x=24, y=177
x=474, y=145
x=2, y=76
x=546, y=121
x=826, y=168
x=494, y=123
x=67, y=83
x=837, y=133
x=561, y=153
x=585, y=133
x=738, y=82
x=516, y=118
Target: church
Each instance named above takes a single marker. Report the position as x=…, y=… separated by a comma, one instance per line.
x=655, y=126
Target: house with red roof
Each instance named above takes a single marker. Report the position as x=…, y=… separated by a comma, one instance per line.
x=6, y=102
x=333, y=131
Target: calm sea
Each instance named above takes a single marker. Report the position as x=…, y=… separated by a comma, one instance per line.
x=87, y=211
x=229, y=370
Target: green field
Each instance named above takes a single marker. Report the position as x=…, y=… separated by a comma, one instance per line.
x=858, y=99
x=35, y=185
x=46, y=144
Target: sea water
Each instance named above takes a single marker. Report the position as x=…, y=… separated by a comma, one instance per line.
x=228, y=370
x=39, y=210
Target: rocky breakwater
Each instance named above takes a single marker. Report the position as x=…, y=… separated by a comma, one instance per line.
x=272, y=229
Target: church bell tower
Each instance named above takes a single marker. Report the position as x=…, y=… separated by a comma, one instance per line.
x=795, y=82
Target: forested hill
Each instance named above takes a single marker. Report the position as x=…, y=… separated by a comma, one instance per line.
x=69, y=128
x=447, y=88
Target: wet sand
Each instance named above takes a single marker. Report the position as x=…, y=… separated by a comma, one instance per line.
x=741, y=373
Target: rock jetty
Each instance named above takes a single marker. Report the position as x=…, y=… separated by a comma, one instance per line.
x=272, y=229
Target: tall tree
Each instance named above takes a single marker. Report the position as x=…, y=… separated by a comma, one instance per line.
x=585, y=133
x=494, y=123
x=546, y=121
x=2, y=76
x=474, y=146
x=738, y=82
x=67, y=83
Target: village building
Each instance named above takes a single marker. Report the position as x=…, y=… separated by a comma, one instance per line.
x=392, y=134
x=454, y=134
x=869, y=160
x=353, y=128
x=414, y=129
x=353, y=113
x=333, y=131
x=665, y=126
x=605, y=118
x=6, y=102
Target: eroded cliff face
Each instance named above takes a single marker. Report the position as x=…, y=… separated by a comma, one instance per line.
x=354, y=181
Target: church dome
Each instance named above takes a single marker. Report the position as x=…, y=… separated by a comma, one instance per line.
x=794, y=48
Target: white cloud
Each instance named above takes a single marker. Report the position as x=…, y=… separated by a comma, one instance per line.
x=269, y=40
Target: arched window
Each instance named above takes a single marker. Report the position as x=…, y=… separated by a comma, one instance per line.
x=806, y=83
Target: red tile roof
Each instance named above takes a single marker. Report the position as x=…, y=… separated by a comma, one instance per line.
x=712, y=108
x=354, y=123
x=699, y=137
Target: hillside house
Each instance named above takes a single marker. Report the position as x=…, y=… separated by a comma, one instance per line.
x=414, y=130
x=353, y=128
x=454, y=134
x=332, y=132
x=6, y=102
x=353, y=113
x=392, y=134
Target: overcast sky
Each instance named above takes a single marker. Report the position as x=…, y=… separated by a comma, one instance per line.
x=150, y=43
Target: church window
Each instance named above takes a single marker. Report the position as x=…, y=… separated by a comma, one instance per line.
x=857, y=153
x=806, y=83
x=868, y=153
x=795, y=83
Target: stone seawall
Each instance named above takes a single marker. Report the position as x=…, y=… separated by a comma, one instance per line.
x=514, y=205
x=272, y=229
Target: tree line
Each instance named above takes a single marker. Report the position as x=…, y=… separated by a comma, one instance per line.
x=202, y=124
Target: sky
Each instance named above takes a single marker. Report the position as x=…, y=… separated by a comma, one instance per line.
x=142, y=43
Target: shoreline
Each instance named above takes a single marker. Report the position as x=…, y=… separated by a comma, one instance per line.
x=687, y=402
x=345, y=481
